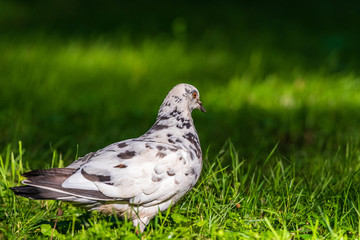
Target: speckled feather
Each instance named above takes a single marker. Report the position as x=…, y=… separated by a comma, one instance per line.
x=136, y=177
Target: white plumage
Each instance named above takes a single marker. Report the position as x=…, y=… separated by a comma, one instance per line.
x=136, y=177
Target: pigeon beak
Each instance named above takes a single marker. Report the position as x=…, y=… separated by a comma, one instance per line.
x=201, y=106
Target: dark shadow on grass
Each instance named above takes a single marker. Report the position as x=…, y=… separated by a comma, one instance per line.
x=83, y=221
x=306, y=34
x=304, y=130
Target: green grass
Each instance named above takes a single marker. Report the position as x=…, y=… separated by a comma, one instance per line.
x=280, y=136
x=235, y=198
x=85, y=88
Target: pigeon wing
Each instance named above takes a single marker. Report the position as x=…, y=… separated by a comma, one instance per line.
x=141, y=172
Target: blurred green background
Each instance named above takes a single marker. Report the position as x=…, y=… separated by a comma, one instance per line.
x=90, y=73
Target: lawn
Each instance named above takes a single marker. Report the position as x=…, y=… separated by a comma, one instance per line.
x=280, y=137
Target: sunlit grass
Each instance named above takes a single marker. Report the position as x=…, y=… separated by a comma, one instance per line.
x=235, y=197
x=274, y=92
x=87, y=87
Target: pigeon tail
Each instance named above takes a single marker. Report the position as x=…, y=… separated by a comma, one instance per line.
x=47, y=184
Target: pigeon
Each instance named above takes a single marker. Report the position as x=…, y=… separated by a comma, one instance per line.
x=134, y=178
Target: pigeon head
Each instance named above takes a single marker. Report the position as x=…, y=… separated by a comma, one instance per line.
x=193, y=98
x=184, y=97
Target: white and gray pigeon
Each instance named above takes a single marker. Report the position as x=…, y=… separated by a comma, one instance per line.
x=138, y=177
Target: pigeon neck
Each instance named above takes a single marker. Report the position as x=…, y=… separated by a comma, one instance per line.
x=175, y=126
x=177, y=117
x=172, y=120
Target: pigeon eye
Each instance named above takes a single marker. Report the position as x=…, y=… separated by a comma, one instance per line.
x=194, y=95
